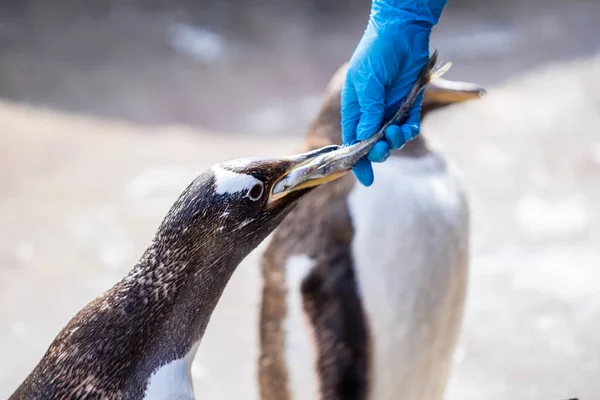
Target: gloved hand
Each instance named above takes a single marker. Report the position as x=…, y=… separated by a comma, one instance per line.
x=389, y=57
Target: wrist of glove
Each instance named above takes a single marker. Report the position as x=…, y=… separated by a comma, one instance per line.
x=428, y=11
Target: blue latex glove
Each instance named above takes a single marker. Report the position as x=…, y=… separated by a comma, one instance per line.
x=389, y=57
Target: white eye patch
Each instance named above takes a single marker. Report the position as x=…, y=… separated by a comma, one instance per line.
x=227, y=182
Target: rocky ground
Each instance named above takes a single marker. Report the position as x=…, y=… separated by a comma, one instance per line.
x=80, y=196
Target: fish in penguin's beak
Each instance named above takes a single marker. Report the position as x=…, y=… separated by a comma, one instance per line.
x=307, y=170
x=319, y=167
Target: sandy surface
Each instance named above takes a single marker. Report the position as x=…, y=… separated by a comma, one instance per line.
x=80, y=199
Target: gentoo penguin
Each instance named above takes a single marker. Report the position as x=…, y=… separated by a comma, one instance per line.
x=138, y=340
x=364, y=287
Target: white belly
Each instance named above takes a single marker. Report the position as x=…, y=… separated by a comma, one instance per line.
x=173, y=381
x=410, y=253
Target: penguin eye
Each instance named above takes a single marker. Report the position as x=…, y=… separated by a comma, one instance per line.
x=255, y=192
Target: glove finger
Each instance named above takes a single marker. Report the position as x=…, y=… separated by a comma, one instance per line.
x=379, y=152
x=395, y=137
x=363, y=172
x=372, y=105
x=350, y=111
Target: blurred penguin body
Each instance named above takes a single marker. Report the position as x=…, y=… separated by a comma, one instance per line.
x=364, y=287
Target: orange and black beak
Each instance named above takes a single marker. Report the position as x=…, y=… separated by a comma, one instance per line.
x=442, y=92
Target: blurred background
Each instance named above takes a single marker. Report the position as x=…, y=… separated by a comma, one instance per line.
x=109, y=108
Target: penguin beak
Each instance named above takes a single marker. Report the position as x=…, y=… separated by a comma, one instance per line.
x=319, y=167
x=443, y=92
x=307, y=170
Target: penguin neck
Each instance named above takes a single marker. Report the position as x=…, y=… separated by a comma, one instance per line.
x=173, y=293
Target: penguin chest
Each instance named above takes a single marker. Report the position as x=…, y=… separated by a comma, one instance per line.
x=410, y=251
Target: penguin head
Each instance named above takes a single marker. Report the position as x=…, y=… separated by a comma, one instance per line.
x=235, y=204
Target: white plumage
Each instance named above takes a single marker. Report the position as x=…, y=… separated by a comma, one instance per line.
x=410, y=252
